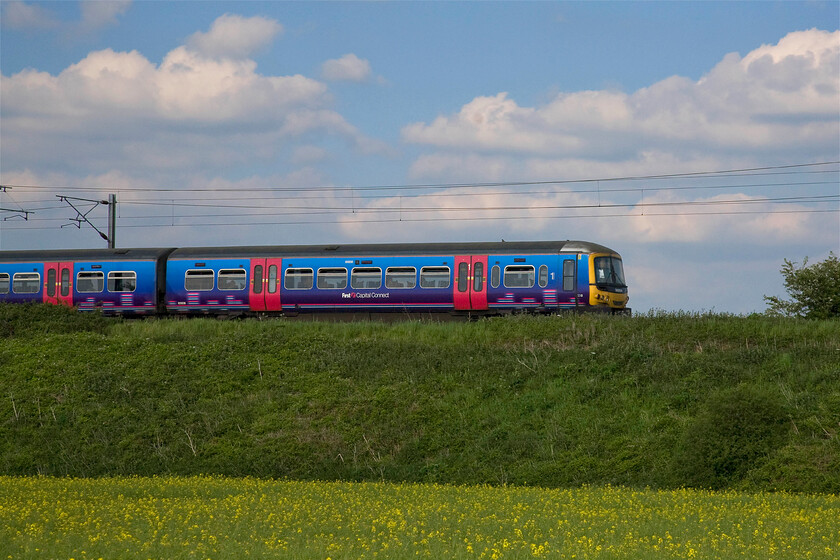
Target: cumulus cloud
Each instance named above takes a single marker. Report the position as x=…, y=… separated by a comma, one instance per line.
x=20, y=15
x=348, y=68
x=235, y=36
x=195, y=108
x=778, y=98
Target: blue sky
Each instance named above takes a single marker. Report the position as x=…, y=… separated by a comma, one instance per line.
x=190, y=110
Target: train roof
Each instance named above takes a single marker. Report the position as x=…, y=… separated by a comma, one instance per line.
x=73, y=255
x=496, y=248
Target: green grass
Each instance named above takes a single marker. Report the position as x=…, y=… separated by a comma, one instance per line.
x=549, y=401
x=213, y=517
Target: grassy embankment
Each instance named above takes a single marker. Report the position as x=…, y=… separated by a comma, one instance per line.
x=750, y=403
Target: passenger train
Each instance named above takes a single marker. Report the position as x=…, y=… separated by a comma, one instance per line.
x=471, y=279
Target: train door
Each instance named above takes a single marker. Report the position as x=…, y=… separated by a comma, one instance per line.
x=470, y=290
x=265, y=285
x=58, y=283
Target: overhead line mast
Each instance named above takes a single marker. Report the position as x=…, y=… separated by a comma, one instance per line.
x=81, y=216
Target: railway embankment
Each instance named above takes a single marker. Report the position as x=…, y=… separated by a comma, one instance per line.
x=661, y=401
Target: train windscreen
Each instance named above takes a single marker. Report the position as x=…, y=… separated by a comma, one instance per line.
x=609, y=272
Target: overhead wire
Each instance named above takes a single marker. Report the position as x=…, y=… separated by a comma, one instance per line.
x=405, y=212
x=754, y=171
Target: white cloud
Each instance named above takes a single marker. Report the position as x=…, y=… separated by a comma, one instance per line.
x=348, y=68
x=20, y=15
x=101, y=13
x=192, y=110
x=305, y=155
x=778, y=98
x=235, y=36
x=94, y=15
x=778, y=103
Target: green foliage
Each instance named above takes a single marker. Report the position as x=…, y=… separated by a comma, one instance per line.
x=736, y=431
x=35, y=319
x=550, y=401
x=814, y=290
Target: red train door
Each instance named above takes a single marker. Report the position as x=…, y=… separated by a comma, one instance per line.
x=58, y=283
x=265, y=285
x=470, y=290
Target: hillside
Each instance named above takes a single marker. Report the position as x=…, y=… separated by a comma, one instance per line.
x=661, y=401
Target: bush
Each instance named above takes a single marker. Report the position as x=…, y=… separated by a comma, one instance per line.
x=815, y=290
x=735, y=432
x=31, y=319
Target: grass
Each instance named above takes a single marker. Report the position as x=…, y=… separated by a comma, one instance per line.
x=548, y=401
x=216, y=517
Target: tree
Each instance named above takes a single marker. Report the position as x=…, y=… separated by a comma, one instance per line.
x=814, y=290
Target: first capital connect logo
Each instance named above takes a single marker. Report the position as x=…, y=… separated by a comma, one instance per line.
x=364, y=295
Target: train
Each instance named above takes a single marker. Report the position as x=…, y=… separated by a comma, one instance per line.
x=459, y=279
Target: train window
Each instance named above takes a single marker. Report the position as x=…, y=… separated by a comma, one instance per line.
x=26, y=283
x=5, y=282
x=258, y=279
x=90, y=282
x=399, y=277
x=65, y=282
x=463, y=273
x=519, y=276
x=332, y=278
x=232, y=279
x=366, y=278
x=298, y=278
x=51, y=276
x=495, y=276
x=543, y=278
x=196, y=280
x=434, y=277
x=123, y=281
x=478, y=276
x=272, y=279
x=568, y=275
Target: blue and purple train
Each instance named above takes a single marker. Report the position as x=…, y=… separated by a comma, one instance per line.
x=470, y=279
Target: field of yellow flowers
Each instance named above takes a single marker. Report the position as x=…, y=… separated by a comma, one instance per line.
x=215, y=517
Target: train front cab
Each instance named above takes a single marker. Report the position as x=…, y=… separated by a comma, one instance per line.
x=607, y=286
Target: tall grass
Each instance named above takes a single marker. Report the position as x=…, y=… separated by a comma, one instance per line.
x=552, y=401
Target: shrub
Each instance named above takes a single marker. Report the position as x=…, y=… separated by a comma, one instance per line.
x=814, y=289
x=735, y=431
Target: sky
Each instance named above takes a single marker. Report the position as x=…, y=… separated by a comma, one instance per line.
x=700, y=140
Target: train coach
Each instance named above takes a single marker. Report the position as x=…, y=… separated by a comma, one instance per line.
x=455, y=278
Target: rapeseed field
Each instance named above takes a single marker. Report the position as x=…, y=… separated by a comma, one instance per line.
x=217, y=517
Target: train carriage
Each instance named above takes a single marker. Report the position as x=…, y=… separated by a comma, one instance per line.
x=468, y=278
x=116, y=281
x=457, y=278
